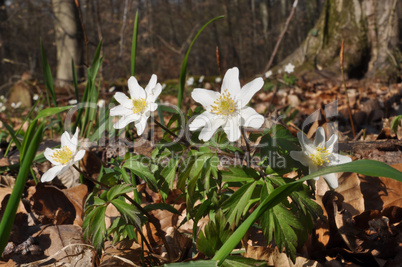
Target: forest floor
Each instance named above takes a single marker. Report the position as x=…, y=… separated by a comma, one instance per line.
x=363, y=216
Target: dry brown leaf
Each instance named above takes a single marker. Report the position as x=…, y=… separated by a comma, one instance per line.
x=59, y=206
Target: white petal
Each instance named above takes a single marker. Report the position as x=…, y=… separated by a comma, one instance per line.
x=120, y=97
x=300, y=156
x=205, y=97
x=141, y=125
x=201, y=120
x=65, y=139
x=232, y=129
x=80, y=154
x=51, y=173
x=154, y=93
x=136, y=91
x=151, y=84
x=319, y=136
x=152, y=106
x=120, y=110
x=303, y=140
x=74, y=139
x=124, y=121
x=248, y=91
x=331, y=180
x=210, y=128
x=48, y=155
x=329, y=145
x=231, y=81
x=250, y=118
x=336, y=159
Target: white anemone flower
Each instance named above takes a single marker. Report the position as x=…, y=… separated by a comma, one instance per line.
x=63, y=157
x=289, y=68
x=139, y=106
x=268, y=74
x=190, y=81
x=227, y=108
x=201, y=79
x=319, y=155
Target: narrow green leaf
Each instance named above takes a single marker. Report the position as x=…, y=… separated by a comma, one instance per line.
x=7, y=220
x=134, y=44
x=13, y=136
x=51, y=111
x=183, y=71
x=47, y=76
x=201, y=263
x=75, y=80
x=395, y=123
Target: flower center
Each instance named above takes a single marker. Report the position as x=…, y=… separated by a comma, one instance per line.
x=320, y=156
x=224, y=105
x=139, y=105
x=62, y=155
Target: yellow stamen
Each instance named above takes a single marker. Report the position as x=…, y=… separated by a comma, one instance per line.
x=224, y=105
x=139, y=105
x=320, y=156
x=62, y=155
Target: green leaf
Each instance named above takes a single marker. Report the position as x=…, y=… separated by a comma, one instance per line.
x=161, y=206
x=134, y=44
x=200, y=263
x=48, y=76
x=51, y=111
x=395, y=123
x=13, y=135
x=366, y=167
x=283, y=223
x=240, y=174
x=239, y=261
x=95, y=228
x=7, y=220
x=128, y=212
x=236, y=204
x=118, y=190
x=142, y=170
x=75, y=80
x=183, y=71
x=217, y=232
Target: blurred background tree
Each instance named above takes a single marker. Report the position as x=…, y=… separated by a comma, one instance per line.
x=246, y=37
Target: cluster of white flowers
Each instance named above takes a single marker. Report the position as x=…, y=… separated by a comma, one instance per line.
x=227, y=109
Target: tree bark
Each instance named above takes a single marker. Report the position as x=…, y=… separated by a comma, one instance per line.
x=68, y=39
x=370, y=31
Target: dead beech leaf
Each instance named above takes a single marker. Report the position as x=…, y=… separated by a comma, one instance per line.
x=57, y=206
x=349, y=188
x=381, y=192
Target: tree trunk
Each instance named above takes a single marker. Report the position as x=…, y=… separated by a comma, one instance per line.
x=370, y=31
x=68, y=39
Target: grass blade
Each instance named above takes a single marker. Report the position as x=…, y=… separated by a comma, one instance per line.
x=47, y=73
x=183, y=71
x=9, y=214
x=134, y=44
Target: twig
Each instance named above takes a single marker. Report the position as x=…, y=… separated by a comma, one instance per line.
x=247, y=146
x=281, y=37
